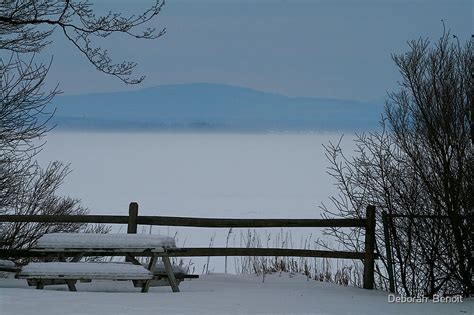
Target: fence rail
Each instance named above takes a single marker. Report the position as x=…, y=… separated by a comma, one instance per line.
x=198, y=252
x=186, y=221
x=133, y=220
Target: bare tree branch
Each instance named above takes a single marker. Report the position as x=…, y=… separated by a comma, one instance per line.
x=26, y=26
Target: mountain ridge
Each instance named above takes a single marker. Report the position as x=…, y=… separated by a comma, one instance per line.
x=208, y=106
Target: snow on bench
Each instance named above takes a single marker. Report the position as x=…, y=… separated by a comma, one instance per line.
x=8, y=266
x=82, y=270
x=7, y=263
x=100, y=241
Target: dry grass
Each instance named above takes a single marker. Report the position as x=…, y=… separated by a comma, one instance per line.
x=345, y=272
x=341, y=271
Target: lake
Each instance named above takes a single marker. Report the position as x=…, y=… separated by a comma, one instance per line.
x=200, y=175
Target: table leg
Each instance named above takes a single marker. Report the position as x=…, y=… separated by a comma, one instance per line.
x=71, y=285
x=133, y=260
x=39, y=284
x=151, y=267
x=169, y=272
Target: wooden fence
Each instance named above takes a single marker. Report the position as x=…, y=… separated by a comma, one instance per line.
x=133, y=220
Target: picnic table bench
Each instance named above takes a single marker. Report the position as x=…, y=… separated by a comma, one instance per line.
x=128, y=245
x=8, y=266
x=51, y=273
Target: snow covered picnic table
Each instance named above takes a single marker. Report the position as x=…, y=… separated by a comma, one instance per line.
x=41, y=274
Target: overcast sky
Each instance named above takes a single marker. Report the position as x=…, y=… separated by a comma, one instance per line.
x=327, y=48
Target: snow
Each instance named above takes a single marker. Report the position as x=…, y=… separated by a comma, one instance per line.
x=160, y=268
x=98, y=241
x=213, y=294
x=202, y=175
x=105, y=270
x=50, y=270
x=6, y=263
x=8, y=266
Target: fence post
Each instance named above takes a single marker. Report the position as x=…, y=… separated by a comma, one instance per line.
x=369, y=248
x=132, y=218
x=132, y=221
x=388, y=252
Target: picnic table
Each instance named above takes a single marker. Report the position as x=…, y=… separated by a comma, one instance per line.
x=81, y=244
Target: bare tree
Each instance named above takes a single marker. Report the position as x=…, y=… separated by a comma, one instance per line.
x=37, y=195
x=419, y=169
x=23, y=121
x=26, y=27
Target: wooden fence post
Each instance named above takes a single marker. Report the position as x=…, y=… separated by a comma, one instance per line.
x=388, y=252
x=132, y=221
x=369, y=260
x=132, y=218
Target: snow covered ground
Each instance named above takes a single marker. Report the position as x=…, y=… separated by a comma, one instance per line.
x=212, y=294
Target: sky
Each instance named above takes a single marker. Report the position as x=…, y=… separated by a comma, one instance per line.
x=319, y=48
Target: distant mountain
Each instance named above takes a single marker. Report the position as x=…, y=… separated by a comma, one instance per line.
x=211, y=107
